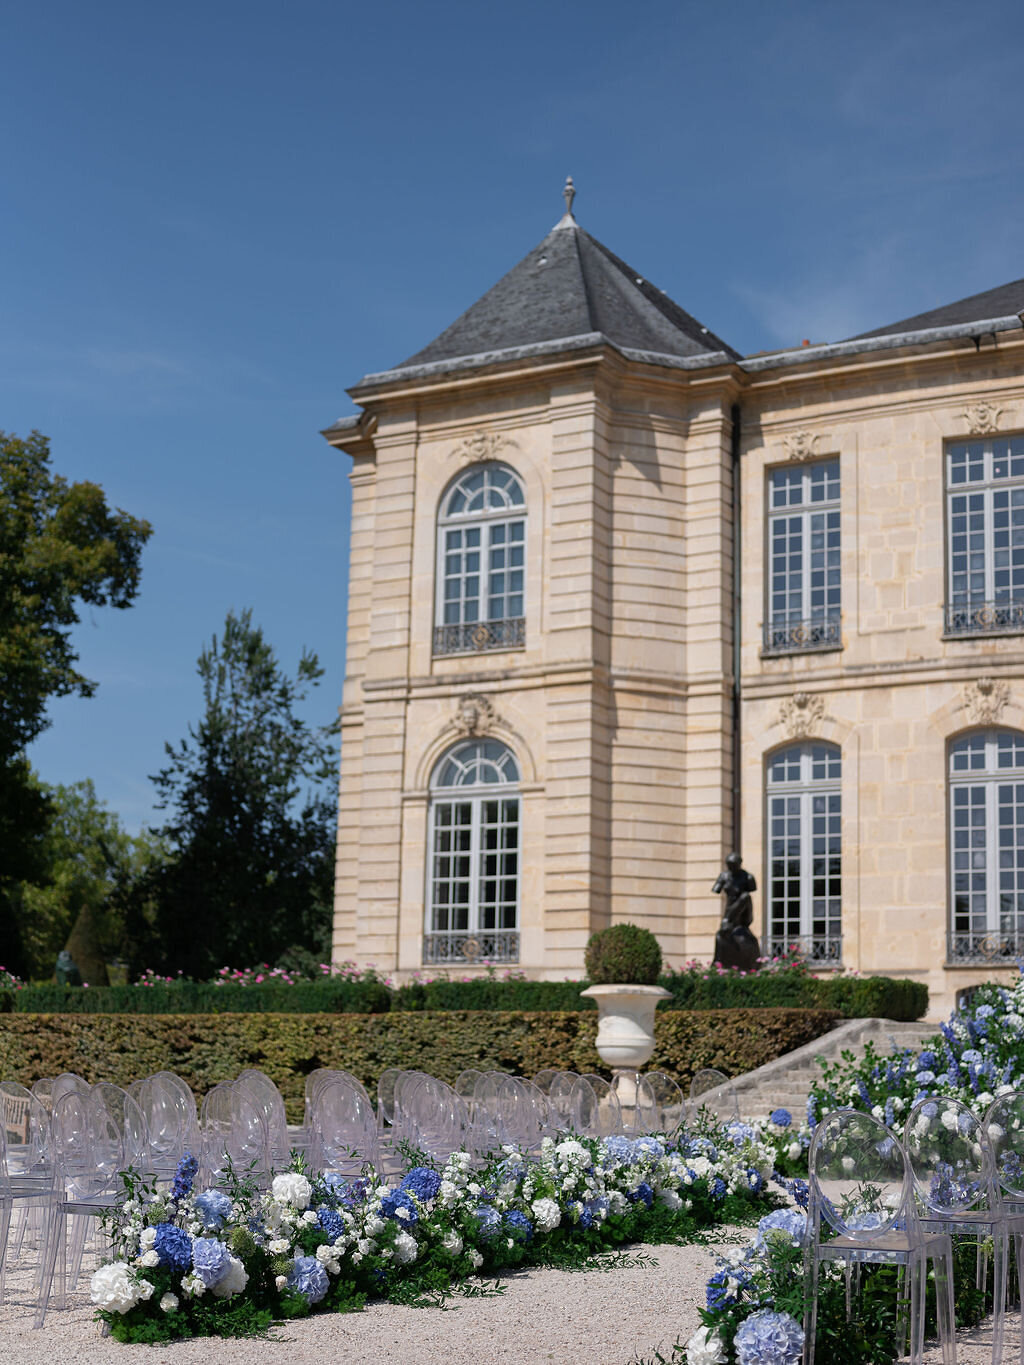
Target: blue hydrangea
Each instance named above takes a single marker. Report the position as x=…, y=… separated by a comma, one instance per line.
x=801, y=1193
x=582, y=1214
x=769, y=1338
x=309, y=1277
x=927, y=1061
x=174, y=1247
x=519, y=1226
x=619, y=1151
x=210, y=1260
x=755, y=1181
x=782, y=1118
x=510, y=1169
x=699, y=1146
x=184, y=1176
x=648, y=1146
x=398, y=1204
x=598, y=1206
x=214, y=1207
x=423, y=1183
x=488, y=1222
x=789, y=1224
x=717, y=1189
x=330, y=1221
x=643, y=1194
x=739, y=1133
x=984, y=1012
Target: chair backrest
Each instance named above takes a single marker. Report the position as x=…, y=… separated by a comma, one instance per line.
x=543, y=1079
x=119, y=1133
x=343, y=1127
x=26, y=1126
x=94, y=1137
x=859, y=1176
x=386, y=1083
x=639, y=1109
x=268, y=1099
x=560, y=1098
x=950, y=1158
x=233, y=1128
x=669, y=1100
x=712, y=1090
x=433, y=1117
x=1004, y=1129
x=609, y=1120
x=172, y=1120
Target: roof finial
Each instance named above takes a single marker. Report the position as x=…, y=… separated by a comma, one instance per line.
x=568, y=194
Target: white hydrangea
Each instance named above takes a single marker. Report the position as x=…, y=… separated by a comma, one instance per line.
x=705, y=1348
x=546, y=1213
x=113, y=1288
x=375, y=1226
x=329, y=1258
x=149, y=1259
x=406, y=1248
x=670, y=1199
x=476, y=1260
x=292, y=1189
x=448, y=1193
x=169, y=1303
x=232, y=1281
x=452, y=1242
x=793, y=1151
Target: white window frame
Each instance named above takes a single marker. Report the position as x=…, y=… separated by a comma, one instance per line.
x=975, y=602
x=989, y=788
x=822, y=948
x=471, y=776
x=813, y=625
x=493, y=509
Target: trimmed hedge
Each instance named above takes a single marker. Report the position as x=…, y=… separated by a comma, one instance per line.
x=203, y=1050
x=333, y=995
x=853, y=997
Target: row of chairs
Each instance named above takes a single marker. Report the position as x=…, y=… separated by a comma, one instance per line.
x=875, y=1197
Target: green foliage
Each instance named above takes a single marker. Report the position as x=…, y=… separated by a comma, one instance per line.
x=207, y=1049
x=251, y=832
x=491, y=993
x=623, y=954
x=87, y=855
x=366, y=995
x=60, y=546
x=854, y=997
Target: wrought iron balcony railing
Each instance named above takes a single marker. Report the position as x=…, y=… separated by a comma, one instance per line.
x=984, y=618
x=472, y=637
x=466, y=948
x=823, y=950
x=790, y=636
x=992, y=946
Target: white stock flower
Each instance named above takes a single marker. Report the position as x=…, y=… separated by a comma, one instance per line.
x=329, y=1259
x=292, y=1189
x=793, y=1151
x=375, y=1226
x=705, y=1348
x=112, y=1288
x=985, y=1099
x=452, y=1242
x=448, y=1193
x=948, y=1120
x=406, y=1248
x=233, y=1280
x=169, y=1303
x=476, y=1260
x=146, y=1289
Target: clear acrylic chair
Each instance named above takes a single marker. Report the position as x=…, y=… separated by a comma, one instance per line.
x=268, y=1099
x=712, y=1090
x=862, y=1212
x=543, y=1079
x=430, y=1116
x=668, y=1097
x=233, y=1131
x=172, y=1120
x=637, y=1103
x=958, y=1192
x=343, y=1129
x=94, y=1138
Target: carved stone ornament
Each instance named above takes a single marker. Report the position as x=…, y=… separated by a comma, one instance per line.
x=801, y=714
x=984, y=700
x=475, y=714
x=982, y=418
x=801, y=445
x=481, y=445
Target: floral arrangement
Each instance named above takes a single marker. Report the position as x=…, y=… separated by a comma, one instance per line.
x=10, y=982
x=229, y=1261
x=975, y=1057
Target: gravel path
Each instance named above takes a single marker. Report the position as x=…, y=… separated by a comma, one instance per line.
x=545, y=1317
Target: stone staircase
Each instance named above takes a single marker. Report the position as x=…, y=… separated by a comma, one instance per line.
x=786, y=1082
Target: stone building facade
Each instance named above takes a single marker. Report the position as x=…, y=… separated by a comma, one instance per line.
x=622, y=599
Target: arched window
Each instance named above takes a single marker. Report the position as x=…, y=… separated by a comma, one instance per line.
x=481, y=563
x=804, y=891
x=473, y=878
x=986, y=846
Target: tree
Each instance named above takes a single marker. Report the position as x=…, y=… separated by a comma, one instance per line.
x=60, y=545
x=88, y=856
x=251, y=834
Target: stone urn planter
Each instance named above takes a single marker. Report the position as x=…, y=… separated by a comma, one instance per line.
x=625, y=1023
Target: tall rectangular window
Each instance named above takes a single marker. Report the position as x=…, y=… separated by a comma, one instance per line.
x=985, y=527
x=804, y=813
x=803, y=559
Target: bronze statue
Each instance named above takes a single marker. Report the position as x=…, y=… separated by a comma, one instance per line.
x=735, y=945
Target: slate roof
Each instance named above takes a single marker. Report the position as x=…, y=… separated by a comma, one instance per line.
x=1002, y=302
x=571, y=286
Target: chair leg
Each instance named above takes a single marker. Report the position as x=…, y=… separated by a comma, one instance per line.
x=54, y=1251
x=917, y=1270
x=944, y=1313
x=1000, y=1262
x=5, y=1228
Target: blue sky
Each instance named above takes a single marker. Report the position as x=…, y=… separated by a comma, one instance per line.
x=215, y=217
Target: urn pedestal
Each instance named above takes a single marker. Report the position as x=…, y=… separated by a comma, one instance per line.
x=625, y=1023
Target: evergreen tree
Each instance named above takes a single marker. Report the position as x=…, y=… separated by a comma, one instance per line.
x=252, y=819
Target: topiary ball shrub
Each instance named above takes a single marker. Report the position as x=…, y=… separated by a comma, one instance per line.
x=625, y=954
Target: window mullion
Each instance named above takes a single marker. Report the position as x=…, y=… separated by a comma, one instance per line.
x=474, y=862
